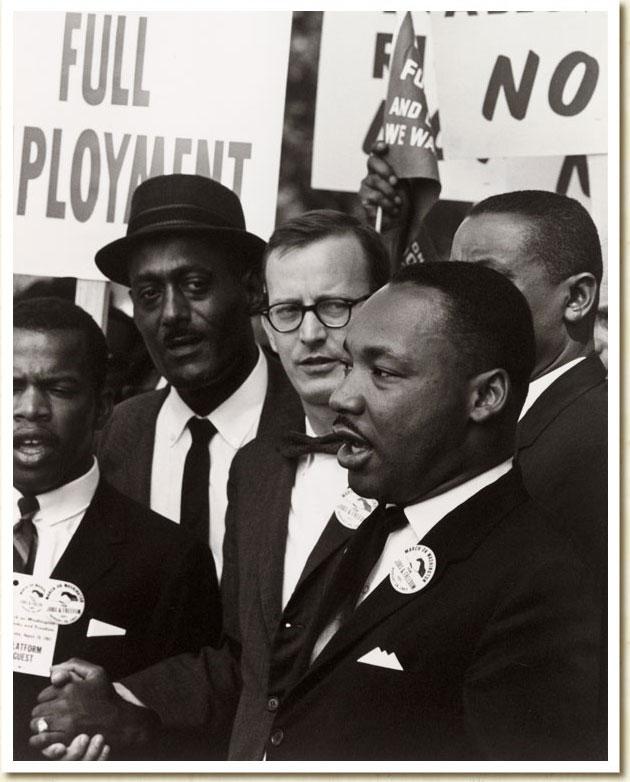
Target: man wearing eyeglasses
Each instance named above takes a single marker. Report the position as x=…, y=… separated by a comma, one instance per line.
x=281, y=527
x=289, y=515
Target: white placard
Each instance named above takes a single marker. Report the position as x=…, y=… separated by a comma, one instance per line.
x=113, y=98
x=522, y=84
x=351, y=85
x=352, y=82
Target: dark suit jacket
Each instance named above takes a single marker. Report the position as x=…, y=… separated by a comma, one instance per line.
x=265, y=639
x=562, y=449
x=125, y=447
x=498, y=653
x=261, y=640
x=137, y=571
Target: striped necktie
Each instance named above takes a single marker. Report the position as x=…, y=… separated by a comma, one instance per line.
x=25, y=536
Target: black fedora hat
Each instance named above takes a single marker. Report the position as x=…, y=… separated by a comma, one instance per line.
x=182, y=203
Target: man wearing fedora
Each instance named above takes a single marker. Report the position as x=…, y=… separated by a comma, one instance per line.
x=194, y=274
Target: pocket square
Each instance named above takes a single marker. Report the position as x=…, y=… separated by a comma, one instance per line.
x=381, y=659
x=98, y=628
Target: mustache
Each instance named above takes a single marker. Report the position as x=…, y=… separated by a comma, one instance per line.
x=341, y=420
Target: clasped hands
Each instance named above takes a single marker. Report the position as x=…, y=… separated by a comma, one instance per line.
x=80, y=716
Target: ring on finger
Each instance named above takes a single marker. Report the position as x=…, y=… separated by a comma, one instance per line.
x=42, y=725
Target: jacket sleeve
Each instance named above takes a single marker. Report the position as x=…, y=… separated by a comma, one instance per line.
x=191, y=692
x=199, y=692
x=187, y=612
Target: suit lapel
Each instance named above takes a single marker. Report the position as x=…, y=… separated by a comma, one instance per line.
x=453, y=539
x=129, y=455
x=142, y=441
x=332, y=538
x=91, y=551
x=560, y=394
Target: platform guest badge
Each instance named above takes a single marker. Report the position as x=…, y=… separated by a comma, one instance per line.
x=352, y=509
x=413, y=570
x=40, y=605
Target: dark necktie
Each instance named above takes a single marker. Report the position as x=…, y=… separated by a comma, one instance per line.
x=25, y=536
x=361, y=556
x=297, y=444
x=195, y=503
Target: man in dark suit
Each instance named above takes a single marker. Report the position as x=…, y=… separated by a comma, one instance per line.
x=143, y=588
x=547, y=244
x=491, y=653
x=282, y=537
x=194, y=274
x=457, y=625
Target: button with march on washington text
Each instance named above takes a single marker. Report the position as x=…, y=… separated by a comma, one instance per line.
x=272, y=703
x=276, y=737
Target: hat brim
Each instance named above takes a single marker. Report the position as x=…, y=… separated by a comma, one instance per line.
x=243, y=248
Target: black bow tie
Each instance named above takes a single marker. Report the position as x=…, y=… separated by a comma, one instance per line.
x=296, y=444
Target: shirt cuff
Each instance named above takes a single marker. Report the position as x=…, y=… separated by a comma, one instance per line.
x=127, y=695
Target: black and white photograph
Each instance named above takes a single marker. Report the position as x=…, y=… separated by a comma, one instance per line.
x=313, y=315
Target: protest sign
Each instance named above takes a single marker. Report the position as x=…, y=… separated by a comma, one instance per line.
x=350, y=89
x=407, y=122
x=408, y=132
x=111, y=99
x=521, y=84
x=349, y=109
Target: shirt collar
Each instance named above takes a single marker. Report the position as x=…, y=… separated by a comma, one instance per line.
x=541, y=384
x=425, y=514
x=308, y=428
x=66, y=501
x=233, y=418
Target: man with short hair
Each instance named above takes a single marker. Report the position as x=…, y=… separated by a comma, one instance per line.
x=282, y=535
x=547, y=244
x=147, y=588
x=194, y=274
x=457, y=625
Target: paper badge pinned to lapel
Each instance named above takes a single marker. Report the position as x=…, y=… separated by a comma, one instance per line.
x=413, y=570
x=353, y=509
x=39, y=607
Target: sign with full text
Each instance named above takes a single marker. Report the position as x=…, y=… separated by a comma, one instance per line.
x=112, y=99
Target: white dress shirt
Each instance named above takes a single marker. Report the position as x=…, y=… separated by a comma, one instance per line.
x=423, y=516
x=541, y=384
x=319, y=483
x=60, y=513
x=236, y=421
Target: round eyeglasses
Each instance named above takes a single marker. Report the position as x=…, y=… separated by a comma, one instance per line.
x=333, y=313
